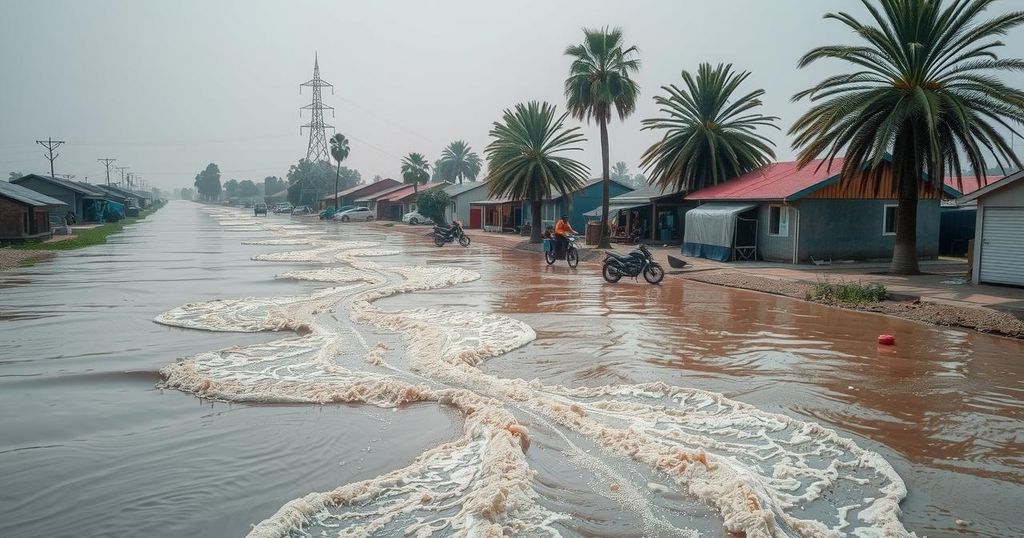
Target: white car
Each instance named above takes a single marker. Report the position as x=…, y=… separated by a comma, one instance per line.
x=414, y=218
x=359, y=213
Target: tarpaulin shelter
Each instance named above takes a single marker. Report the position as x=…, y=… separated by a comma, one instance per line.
x=717, y=231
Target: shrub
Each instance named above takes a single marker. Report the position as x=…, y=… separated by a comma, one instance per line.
x=848, y=292
x=432, y=204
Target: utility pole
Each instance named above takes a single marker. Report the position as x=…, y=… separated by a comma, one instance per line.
x=106, y=162
x=122, y=169
x=50, y=145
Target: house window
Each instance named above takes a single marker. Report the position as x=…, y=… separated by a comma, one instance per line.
x=889, y=220
x=778, y=221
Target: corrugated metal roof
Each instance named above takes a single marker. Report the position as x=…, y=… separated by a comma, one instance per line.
x=777, y=181
x=80, y=188
x=554, y=195
x=459, y=188
x=381, y=194
x=409, y=190
x=369, y=187
x=26, y=195
x=968, y=184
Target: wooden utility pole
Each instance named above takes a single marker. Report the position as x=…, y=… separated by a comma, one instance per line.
x=50, y=145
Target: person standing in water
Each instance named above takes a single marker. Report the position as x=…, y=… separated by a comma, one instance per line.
x=562, y=231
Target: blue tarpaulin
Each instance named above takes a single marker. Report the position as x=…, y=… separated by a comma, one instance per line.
x=711, y=230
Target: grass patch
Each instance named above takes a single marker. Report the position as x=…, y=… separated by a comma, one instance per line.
x=848, y=292
x=89, y=237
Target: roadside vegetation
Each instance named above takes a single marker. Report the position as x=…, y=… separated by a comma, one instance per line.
x=91, y=236
x=848, y=292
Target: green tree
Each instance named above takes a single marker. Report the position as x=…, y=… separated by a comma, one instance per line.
x=415, y=170
x=248, y=189
x=526, y=160
x=207, y=183
x=231, y=188
x=459, y=161
x=921, y=94
x=620, y=172
x=599, y=80
x=710, y=135
x=639, y=181
x=308, y=181
x=11, y=176
x=339, y=151
x=273, y=185
x=433, y=204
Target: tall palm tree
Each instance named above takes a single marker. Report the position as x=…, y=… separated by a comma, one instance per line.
x=922, y=92
x=459, y=161
x=599, y=80
x=339, y=151
x=710, y=135
x=526, y=160
x=415, y=170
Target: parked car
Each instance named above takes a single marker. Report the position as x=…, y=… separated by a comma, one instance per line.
x=414, y=218
x=330, y=211
x=302, y=210
x=283, y=207
x=359, y=213
x=259, y=209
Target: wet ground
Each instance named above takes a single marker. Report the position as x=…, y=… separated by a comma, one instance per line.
x=91, y=448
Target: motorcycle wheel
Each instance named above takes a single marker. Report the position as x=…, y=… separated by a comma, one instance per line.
x=438, y=240
x=549, y=256
x=344, y=218
x=654, y=273
x=611, y=274
x=414, y=221
x=464, y=240
x=572, y=256
x=369, y=218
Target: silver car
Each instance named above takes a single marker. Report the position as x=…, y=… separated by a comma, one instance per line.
x=359, y=213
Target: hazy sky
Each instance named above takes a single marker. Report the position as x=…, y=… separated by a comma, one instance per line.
x=169, y=86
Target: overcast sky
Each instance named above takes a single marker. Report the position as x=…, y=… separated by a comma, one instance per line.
x=167, y=87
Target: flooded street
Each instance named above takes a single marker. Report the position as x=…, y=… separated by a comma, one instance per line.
x=206, y=372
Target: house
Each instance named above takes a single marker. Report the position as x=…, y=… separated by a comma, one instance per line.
x=462, y=195
x=349, y=196
x=394, y=204
x=498, y=215
x=576, y=204
x=84, y=200
x=369, y=201
x=999, y=231
x=658, y=212
x=27, y=214
x=782, y=212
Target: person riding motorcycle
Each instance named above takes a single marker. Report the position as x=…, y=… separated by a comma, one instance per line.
x=562, y=231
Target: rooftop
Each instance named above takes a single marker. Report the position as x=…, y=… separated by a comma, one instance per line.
x=26, y=195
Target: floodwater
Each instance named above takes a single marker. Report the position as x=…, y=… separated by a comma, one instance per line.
x=167, y=384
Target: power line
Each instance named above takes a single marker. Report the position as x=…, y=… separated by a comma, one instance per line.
x=50, y=145
x=106, y=162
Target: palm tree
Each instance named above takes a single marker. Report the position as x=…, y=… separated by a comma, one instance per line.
x=620, y=171
x=415, y=170
x=599, y=80
x=525, y=160
x=710, y=135
x=921, y=96
x=339, y=151
x=459, y=161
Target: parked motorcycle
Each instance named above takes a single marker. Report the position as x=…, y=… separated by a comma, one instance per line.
x=634, y=264
x=450, y=234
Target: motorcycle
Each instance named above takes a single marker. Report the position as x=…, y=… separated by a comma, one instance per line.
x=572, y=255
x=634, y=264
x=453, y=233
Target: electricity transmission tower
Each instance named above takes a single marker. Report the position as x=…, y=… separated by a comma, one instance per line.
x=106, y=162
x=317, y=150
x=50, y=145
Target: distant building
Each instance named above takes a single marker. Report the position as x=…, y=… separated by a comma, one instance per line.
x=462, y=195
x=577, y=204
x=658, y=213
x=84, y=200
x=26, y=214
x=999, y=231
x=782, y=212
x=393, y=204
x=349, y=196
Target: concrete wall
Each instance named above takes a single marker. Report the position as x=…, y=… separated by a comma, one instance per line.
x=459, y=208
x=73, y=200
x=852, y=229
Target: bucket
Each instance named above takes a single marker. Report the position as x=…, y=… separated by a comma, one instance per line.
x=547, y=245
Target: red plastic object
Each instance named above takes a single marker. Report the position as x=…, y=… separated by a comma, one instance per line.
x=886, y=339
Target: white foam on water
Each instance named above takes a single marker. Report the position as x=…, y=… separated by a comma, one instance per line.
x=277, y=242
x=766, y=474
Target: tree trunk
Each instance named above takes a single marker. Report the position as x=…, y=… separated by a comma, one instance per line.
x=337, y=176
x=904, y=254
x=604, y=242
x=535, y=221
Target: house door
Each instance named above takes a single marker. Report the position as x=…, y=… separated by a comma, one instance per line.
x=1001, y=256
x=475, y=218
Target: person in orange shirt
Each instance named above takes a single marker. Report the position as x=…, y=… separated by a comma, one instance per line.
x=562, y=231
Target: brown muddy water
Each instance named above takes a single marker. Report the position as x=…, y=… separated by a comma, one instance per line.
x=96, y=442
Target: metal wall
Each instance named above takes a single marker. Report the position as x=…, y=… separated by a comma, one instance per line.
x=852, y=229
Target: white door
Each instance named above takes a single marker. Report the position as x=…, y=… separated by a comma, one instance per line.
x=1002, y=253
